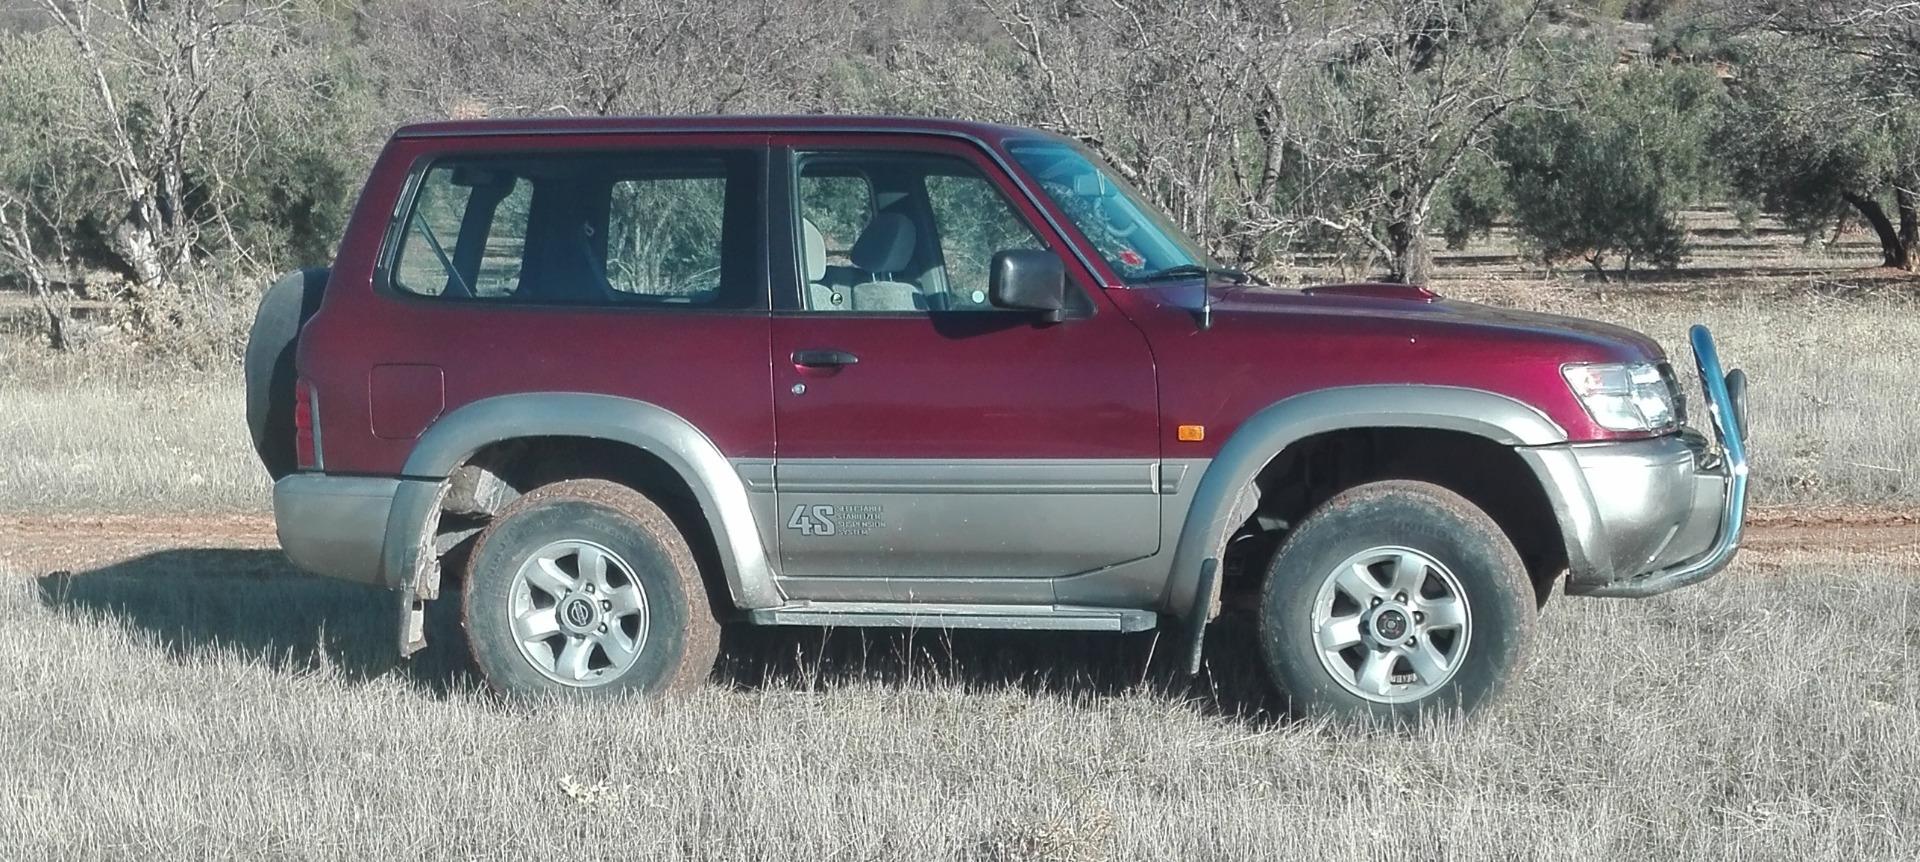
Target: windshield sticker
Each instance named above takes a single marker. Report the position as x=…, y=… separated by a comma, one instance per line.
x=1132, y=258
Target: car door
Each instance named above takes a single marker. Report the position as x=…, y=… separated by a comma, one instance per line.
x=923, y=437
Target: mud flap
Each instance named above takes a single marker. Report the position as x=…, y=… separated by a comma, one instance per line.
x=1200, y=613
x=420, y=565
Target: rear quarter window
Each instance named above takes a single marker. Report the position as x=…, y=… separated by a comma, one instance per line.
x=634, y=228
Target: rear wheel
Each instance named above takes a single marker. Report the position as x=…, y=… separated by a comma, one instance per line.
x=586, y=586
x=1395, y=600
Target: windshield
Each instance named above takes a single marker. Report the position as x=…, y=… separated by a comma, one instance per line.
x=1130, y=234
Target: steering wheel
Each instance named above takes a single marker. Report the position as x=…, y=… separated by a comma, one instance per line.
x=1118, y=229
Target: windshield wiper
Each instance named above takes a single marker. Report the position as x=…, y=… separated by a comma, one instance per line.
x=1194, y=270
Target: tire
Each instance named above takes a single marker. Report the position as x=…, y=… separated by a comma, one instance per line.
x=1341, y=642
x=644, y=626
x=284, y=308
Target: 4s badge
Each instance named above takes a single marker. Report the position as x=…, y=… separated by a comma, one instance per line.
x=812, y=520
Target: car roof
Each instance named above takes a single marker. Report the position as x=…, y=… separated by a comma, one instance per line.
x=718, y=123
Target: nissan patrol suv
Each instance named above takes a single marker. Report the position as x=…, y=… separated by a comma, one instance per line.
x=613, y=383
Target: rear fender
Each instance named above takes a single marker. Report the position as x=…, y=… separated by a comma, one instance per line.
x=453, y=439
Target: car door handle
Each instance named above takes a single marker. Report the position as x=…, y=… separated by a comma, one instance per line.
x=823, y=358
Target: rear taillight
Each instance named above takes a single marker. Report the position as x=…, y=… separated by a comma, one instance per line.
x=306, y=426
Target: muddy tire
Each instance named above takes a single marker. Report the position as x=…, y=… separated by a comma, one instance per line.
x=268, y=364
x=586, y=588
x=1393, y=601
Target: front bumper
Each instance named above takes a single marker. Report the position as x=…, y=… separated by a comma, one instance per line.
x=1648, y=516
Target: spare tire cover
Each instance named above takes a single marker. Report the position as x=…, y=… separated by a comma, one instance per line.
x=269, y=365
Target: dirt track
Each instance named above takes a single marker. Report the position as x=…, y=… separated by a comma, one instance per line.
x=41, y=543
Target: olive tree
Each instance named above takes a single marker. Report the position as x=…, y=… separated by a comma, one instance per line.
x=1607, y=173
x=1823, y=119
x=47, y=188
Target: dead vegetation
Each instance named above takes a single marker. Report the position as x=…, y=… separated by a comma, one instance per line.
x=211, y=703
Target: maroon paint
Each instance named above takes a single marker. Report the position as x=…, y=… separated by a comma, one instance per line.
x=1266, y=345
x=973, y=386
x=678, y=359
x=404, y=399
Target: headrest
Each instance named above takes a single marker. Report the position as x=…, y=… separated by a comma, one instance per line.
x=813, y=251
x=886, y=245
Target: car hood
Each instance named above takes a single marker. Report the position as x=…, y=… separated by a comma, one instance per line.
x=1415, y=310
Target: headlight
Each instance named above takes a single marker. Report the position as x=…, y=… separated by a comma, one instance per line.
x=1623, y=397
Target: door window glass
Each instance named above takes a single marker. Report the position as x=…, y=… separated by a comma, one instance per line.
x=887, y=232
x=974, y=223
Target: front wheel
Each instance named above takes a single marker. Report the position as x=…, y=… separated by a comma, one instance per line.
x=1395, y=600
x=587, y=587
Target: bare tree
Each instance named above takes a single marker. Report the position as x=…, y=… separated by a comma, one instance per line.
x=599, y=57
x=1186, y=99
x=1423, y=85
x=1263, y=125
x=160, y=83
x=18, y=252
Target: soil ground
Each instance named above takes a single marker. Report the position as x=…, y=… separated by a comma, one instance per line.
x=39, y=544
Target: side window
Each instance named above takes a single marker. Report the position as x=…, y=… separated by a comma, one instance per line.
x=836, y=207
x=586, y=228
x=892, y=232
x=438, y=236
x=664, y=237
x=974, y=223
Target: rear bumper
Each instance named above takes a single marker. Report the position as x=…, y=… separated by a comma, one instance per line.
x=335, y=526
x=1648, y=516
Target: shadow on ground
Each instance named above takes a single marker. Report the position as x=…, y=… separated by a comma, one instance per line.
x=255, y=604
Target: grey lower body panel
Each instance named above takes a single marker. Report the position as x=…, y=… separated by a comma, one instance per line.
x=922, y=521
x=1040, y=532
x=335, y=526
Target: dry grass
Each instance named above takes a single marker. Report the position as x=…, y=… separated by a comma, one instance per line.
x=176, y=444
x=211, y=704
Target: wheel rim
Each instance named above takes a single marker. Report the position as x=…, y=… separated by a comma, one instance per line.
x=1391, y=624
x=578, y=614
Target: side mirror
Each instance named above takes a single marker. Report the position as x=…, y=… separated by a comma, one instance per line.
x=1029, y=280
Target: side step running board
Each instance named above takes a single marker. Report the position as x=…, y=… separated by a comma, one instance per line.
x=955, y=616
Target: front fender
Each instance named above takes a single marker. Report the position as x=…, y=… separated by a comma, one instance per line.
x=454, y=438
x=1214, y=514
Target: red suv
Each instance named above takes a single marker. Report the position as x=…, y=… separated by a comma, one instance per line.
x=622, y=381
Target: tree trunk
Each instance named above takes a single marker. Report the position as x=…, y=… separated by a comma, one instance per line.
x=16, y=244
x=1909, y=229
x=1412, y=261
x=1599, y=267
x=1894, y=254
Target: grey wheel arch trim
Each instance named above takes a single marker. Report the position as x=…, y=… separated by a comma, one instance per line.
x=1270, y=431
x=660, y=432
